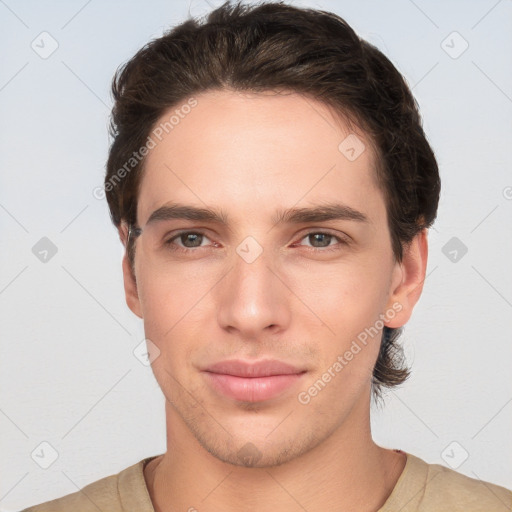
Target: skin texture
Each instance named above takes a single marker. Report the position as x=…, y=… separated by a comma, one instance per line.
x=249, y=155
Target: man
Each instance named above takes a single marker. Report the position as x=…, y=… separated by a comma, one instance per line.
x=273, y=188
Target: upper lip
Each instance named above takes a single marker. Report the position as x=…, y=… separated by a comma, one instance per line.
x=266, y=368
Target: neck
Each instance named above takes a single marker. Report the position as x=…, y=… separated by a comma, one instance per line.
x=346, y=471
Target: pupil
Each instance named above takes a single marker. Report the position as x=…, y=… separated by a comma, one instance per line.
x=318, y=237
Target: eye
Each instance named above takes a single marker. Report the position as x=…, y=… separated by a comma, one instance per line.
x=320, y=241
x=188, y=240
x=324, y=241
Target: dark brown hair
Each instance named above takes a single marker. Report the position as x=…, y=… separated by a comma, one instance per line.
x=270, y=47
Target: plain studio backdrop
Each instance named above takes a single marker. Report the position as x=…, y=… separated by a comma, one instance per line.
x=74, y=396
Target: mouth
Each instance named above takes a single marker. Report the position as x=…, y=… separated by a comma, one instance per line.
x=252, y=382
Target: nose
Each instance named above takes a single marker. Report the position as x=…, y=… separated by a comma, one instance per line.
x=252, y=299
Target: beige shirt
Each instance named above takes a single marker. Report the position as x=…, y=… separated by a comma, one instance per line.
x=421, y=487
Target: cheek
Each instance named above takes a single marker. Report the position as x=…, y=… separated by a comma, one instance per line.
x=347, y=351
x=350, y=293
x=349, y=304
x=171, y=313
x=169, y=290
x=172, y=304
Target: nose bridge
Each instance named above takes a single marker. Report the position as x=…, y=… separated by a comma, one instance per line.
x=252, y=297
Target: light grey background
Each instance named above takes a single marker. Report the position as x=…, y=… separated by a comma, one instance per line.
x=68, y=373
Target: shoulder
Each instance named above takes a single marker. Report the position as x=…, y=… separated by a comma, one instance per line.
x=454, y=491
x=125, y=490
x=91, y=497
x=425, y=487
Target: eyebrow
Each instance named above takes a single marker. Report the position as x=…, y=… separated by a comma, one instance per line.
x=171, y=211
x=317, y=213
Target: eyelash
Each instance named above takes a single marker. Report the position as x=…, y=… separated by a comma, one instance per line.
x=342, y=242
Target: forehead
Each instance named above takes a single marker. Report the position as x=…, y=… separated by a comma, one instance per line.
x=256, y=151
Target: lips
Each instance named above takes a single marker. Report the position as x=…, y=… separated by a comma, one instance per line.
x=265, y=368
x=252, y=382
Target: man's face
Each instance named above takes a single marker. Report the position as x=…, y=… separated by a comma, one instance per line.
x=255, y=289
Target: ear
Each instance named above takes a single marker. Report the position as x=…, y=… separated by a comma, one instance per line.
x=407, y=280
x=129, y=278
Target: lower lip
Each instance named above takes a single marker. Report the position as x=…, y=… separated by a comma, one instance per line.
x=252, y=389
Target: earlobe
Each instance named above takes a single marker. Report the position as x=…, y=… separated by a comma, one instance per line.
x=129, y=278
x=408, y=286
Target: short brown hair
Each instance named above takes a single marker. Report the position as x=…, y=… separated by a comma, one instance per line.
x=268, y=47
